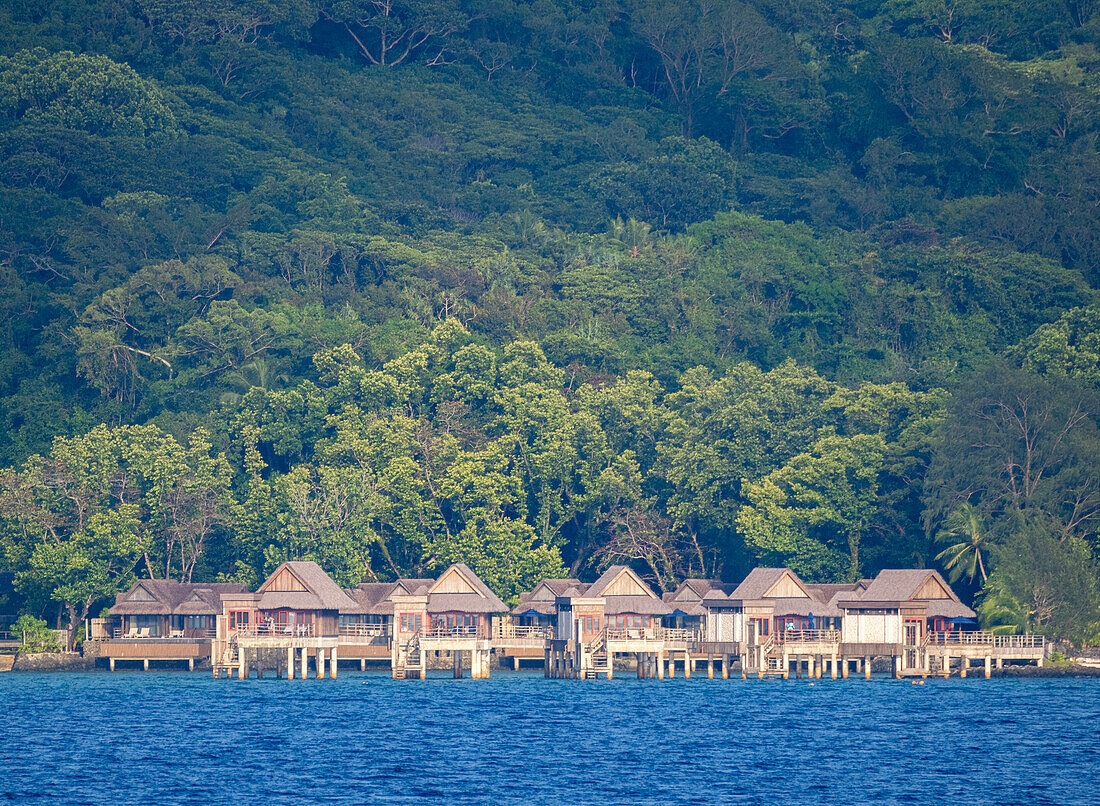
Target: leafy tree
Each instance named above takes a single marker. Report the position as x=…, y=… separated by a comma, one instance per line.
x=35, y=634
x=85, y=92
x=819, y=504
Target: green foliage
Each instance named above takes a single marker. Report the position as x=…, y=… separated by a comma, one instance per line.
x=35, y=635
x=545, y=286
x=89, y=93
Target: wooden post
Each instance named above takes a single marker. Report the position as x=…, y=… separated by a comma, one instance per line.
x=290, y=663
x=423, y=664
x=111, y=663
x=671, y=664
x=810, y=666
x=661, y=665
x=726, y=666
x=710, y=667
x=744, y=666
x=145, y=664
x=687, y=665
x=988, y=666
x=546, y=661
x=946, y=665
x=362, y=664
x=515, y=663
x=867, y=667
x=332, y=664
x=320, y=671
x=305, y=659
x=1000, y=663
x=786, y=666
x=897, y=667
x=190, y=664
x=832, y=667
x=844, y=663
x=610, y=665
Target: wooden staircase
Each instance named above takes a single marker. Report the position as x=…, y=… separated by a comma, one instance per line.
x=597, y=653
x=408, y=659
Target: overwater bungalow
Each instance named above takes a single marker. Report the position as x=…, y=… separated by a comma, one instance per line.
x=453, y=614
x=164, y=620
x=902, y=606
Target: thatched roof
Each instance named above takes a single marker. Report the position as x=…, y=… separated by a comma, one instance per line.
x=166, y=597
x=313, y=577
x=642, y=605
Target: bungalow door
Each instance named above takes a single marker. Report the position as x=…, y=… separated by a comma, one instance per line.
x=912, y=631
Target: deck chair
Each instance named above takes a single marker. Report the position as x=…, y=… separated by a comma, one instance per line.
x=132, y=633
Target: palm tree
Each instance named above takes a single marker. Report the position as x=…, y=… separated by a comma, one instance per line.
x=964, y=529
x=258, y=373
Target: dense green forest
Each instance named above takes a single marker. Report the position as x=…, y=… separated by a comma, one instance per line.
x=542, y=286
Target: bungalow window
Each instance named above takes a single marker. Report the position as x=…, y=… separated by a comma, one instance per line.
x=590, y=625
x=761, y=626
x=196, y=622
x=627, y=622
x=456, y=622
x=238, y=619
x=410, y=622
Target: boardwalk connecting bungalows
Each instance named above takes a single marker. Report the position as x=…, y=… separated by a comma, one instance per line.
x=772, y=622
x=533, y=621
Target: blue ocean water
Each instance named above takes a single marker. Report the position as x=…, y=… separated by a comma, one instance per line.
x=168, y=738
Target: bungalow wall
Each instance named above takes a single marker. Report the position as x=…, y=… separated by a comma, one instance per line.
x=720, y=625
x=873, y=626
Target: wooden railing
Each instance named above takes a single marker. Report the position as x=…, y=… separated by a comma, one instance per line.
x=807, y=636
x=143, y=633
x=984, y=639
x=363, y=630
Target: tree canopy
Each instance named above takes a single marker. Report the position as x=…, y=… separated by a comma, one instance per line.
x=546, y=286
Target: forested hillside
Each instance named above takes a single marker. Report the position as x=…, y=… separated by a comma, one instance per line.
x=542, y=286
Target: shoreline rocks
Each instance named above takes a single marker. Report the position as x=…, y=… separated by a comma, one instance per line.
x=52, y=662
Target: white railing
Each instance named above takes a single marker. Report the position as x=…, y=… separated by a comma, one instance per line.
x=677, y=634
x=363, y=630
x=276, y=630
x=634, y=634
x=442, y=631
x=985, y=639
x=523, y=632
x=807, y=636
